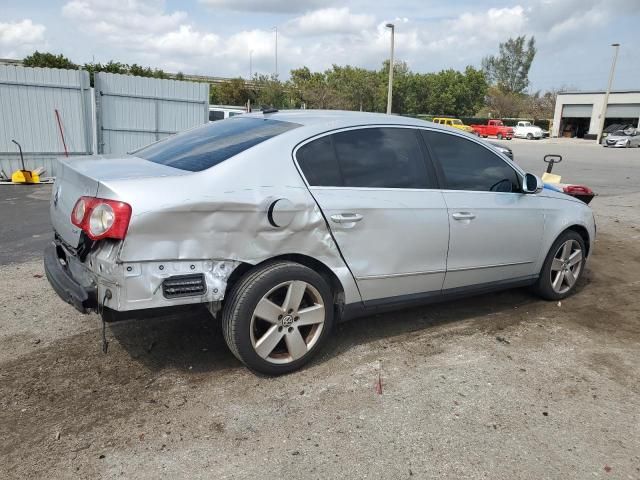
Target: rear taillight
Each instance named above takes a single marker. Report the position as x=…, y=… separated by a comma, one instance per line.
x=577, y=190
x=100, y=218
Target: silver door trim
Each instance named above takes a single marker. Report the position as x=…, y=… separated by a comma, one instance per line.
x=396, y=275
x=496, y=265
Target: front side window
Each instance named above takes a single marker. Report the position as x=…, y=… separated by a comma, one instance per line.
x=365, y=158
x=203, y=147
x=466, y=165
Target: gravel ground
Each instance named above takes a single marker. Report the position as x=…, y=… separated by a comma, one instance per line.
x=501, y=386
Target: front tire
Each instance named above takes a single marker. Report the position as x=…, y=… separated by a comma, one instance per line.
x=529, y=136
x=277, y=317
x=562, y=268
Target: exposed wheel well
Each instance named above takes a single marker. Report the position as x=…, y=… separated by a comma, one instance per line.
x=316, y=265
x=580, y=230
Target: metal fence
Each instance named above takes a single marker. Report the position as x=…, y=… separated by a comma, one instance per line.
x=38, y=107
x=41, y=106
x=135, y=111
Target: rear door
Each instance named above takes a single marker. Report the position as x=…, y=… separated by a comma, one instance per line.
x=379, y=198
x=495, y=230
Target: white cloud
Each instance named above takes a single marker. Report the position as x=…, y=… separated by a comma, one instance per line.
x=430, y=34
x=21, y=37
x=267, y=6
x=123, y=18
x=329, y=21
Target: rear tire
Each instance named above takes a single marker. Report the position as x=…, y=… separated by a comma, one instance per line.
x=529, y=136
x=563, y=267
x=277, y=317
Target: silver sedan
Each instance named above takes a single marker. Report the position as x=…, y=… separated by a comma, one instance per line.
x=623, y=138
x=284, y=223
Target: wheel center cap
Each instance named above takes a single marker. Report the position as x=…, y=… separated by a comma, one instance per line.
x=287, y=320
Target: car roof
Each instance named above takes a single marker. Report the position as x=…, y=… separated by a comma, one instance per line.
x=340, y=118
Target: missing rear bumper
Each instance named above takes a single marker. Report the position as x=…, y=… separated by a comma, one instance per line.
x=84, y=299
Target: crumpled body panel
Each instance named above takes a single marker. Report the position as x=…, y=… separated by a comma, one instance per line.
x=240, y=211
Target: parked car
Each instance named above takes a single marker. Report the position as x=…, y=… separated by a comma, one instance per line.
x=623, y=138
x=493, y=128
x=285, y=223
x=453, y=123
x=220, y=112
x=528, y=131
x=502, y=149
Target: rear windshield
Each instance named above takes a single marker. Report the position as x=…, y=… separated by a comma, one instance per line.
x=211, y=144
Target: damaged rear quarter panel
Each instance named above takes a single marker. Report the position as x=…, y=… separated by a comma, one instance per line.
x=222, y=214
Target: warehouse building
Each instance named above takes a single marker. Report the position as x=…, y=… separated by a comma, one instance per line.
x=577, y=114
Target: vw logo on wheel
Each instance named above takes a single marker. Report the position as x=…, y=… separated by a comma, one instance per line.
x=287, y=320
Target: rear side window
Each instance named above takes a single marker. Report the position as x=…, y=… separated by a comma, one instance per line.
x=469, y=166
x=318, y=162
x=211, y=144
x=368, y=157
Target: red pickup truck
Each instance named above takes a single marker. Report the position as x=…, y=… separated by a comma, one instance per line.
x=493, y=128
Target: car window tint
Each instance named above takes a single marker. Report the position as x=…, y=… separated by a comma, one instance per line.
x=319, y=164
x=380, y=158
x=469, y=166
x=206, y=146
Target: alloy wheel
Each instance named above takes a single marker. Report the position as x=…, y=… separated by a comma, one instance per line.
x=287, y=322
x=566, y=266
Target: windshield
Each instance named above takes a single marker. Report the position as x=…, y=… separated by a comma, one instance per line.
x=203, y=147
x=456, y=122
x=619, y=133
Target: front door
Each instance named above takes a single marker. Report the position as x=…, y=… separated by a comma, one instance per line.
x=495, y=230
x=377, y=194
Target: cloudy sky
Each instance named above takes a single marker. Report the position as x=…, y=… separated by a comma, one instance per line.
x=214, y=37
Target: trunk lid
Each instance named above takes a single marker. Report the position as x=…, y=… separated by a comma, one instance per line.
x=82, y=176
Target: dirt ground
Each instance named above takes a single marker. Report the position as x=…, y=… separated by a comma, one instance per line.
x=501, y=386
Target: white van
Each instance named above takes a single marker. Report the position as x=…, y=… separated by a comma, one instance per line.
x=220, y=112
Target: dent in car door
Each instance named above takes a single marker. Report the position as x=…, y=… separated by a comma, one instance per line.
x=495, y=231
x=373, y=187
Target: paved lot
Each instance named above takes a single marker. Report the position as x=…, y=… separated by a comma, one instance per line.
x=502, y=386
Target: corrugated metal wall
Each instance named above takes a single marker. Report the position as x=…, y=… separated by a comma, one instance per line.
x=29, y=98
x=135, y=111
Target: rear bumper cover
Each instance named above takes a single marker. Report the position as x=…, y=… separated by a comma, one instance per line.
x=84, y=299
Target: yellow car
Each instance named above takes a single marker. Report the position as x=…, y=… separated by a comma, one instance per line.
x=453, y=122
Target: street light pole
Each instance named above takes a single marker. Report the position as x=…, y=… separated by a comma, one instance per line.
x=603, y=114
x=390, y=92
x=276, y=29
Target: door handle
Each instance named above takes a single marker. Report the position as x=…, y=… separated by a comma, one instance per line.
x=346, y=217
x=463, y=216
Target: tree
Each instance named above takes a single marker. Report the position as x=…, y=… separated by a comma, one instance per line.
x=501, y=104
x=509, y=71
x=269, y=91
x=233, y=92
x=541, y=105
x=48, y=60
x=311, y=89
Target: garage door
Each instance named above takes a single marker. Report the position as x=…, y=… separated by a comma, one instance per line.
x=629, y=110
x=577, y=111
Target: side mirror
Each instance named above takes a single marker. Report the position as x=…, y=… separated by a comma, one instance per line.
x=532, y=184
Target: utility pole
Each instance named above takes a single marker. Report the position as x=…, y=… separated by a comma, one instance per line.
x=276, y=30
x=390, y=91
x=603, y=114
x=250, y=65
